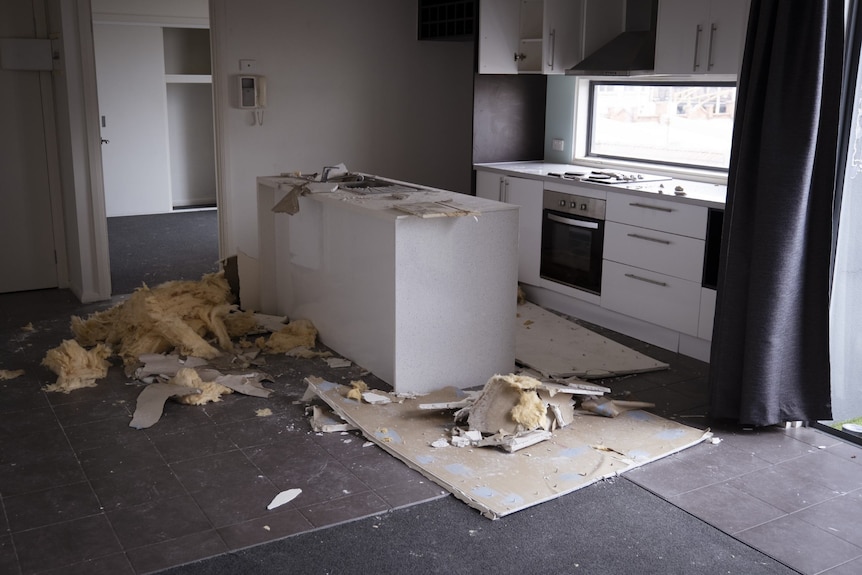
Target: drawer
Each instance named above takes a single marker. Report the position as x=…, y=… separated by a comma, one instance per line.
x=670, y=254
x=663, y=215
x=656, y=298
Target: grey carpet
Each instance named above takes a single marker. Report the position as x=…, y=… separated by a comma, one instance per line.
x=153, y=249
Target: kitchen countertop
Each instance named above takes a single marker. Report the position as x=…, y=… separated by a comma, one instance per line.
x=385, y=205
x=698, y=193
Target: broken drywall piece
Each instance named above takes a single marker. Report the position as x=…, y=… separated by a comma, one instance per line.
x=7, y=374
x=575, y=388
x=284, y=497
x=269, y=322
x=375, y=398
x=289, y=204
x=246, y=384
x=337, y=362
x=613, y=407
x=323, y=420
x=151, y=402
x=513, y=443
x=75, y=366
x=165, y=364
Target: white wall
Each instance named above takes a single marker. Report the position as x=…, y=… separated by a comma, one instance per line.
x=190, y=129
x=347, y=82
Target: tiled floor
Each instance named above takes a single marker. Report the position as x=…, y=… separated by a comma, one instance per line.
x=82, y=492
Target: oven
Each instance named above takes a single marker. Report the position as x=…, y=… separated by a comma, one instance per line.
x=573, y=231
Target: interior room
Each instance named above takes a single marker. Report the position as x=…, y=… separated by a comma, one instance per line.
x=287, y=148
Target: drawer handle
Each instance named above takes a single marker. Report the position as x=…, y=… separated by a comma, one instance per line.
x=649, y=239
x=647, y=280
x=647, y=206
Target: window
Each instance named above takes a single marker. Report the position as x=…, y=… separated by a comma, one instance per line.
x=679, y=123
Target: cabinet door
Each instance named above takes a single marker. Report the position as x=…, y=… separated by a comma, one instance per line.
x=527, y=194
x=700, y=36
x=728, y=21
x=681, y=36
x=489, y=185
x=498, y=36
x=562, y=35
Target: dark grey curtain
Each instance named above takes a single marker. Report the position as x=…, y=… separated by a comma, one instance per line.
x=770, y=348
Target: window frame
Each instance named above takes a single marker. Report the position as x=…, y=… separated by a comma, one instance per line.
x=587, y=132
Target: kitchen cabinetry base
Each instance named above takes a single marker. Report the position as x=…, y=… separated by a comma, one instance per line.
x=644, y=331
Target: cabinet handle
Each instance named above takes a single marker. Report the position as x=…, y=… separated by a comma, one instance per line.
x=709, y=62
x=552, y=48
x=647, y=280
x=504, y=195
x=649, y=239
x=656, y=208
x=520, y=56
x=697, y=32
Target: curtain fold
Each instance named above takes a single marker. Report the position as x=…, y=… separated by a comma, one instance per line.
x=770, y=350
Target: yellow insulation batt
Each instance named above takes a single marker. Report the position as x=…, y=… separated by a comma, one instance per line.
x=210, y=390
x=176, y=315
x=298, y=333
x=75, y=366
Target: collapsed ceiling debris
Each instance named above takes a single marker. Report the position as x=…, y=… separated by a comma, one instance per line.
x=186, y=340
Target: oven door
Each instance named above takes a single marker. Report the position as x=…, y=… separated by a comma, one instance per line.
x=572, y=250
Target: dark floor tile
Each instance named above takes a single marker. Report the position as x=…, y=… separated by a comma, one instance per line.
x=726, y=507
x=105, y=433
x=125, y=490
x=136, y=453
x=771, y=444
x=824, y=468
x=235, y=407
x=800, y=545
x=782, y=490
x=8, y=558
x=377, y=469
x=237, y=503
x=296, y=452
x=17, y=423
x=280, y=426
x=347, y=508
x=32, y=446
x=848, y=451
x=47, y=470
x=207, y=439
x=268, y=528
x=63, y=544
x=220, y=471
x=320, y=476
x=116, y=564
x=840, y=516
x=90, y=411
x=812, y=436
x=157, y=521
x=177, y=551
x=342, y=445
x=410, y=492
x=21, y=396
x=54, y=505
x=178, y=417
x=853, y=567
x=693, y=468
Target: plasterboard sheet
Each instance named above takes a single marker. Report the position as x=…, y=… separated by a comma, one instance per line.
x=558, y=348
x=499, y=483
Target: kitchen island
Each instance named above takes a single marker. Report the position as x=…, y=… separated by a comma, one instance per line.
x=422, y=302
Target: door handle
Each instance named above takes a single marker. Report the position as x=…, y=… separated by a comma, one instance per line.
x=104, y=141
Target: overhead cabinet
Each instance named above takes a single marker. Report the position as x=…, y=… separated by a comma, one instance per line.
x=530, y=36
x=700, y=36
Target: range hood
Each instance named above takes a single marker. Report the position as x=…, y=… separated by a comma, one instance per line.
x=631, y=53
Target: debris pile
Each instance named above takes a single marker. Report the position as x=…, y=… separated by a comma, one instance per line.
x=510, y=412
x=186, y=340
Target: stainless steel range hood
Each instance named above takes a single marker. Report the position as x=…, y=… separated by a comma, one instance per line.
x=631, y=53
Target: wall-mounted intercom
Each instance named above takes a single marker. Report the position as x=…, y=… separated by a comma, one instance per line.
x=252, y=92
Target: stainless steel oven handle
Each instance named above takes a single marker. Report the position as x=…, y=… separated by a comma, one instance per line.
x=649, y=207
x=647, y=280
x=649, y=239
x=576, y=223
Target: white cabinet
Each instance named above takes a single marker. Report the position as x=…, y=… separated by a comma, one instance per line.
x=707, y=313
x=530, y=36
x=700, y=36
x=653, y=260
x=527, y=195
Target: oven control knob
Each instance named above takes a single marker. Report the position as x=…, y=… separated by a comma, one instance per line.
x=583, y=207
x=562, y=203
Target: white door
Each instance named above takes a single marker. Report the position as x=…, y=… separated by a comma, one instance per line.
x=130, y=72
x=27, y=257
